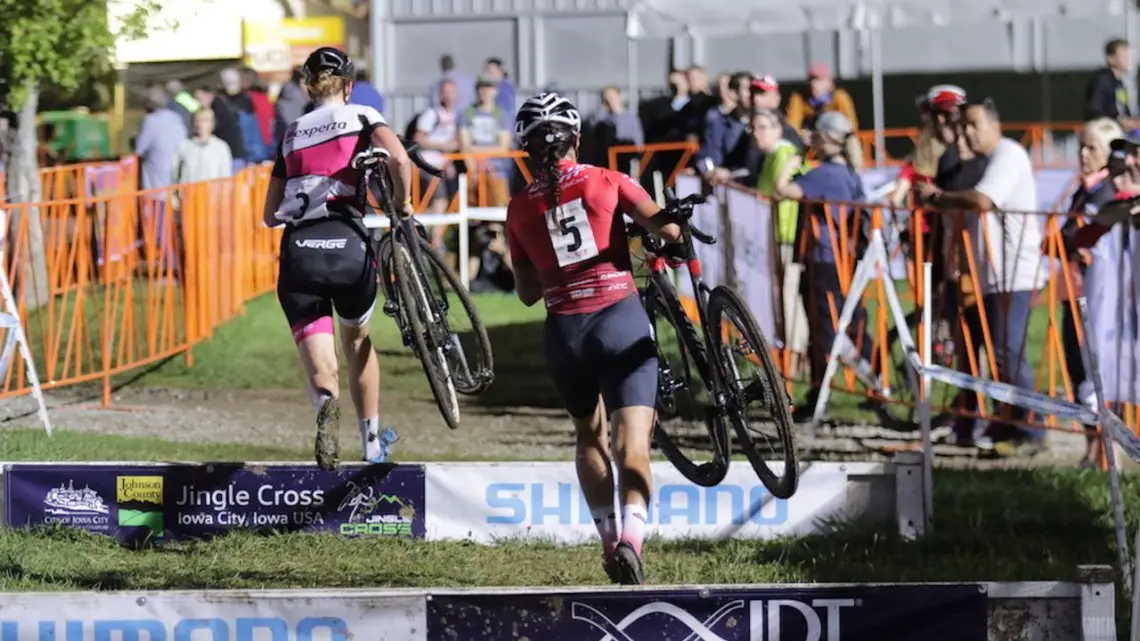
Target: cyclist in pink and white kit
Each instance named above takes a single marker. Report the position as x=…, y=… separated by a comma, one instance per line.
x=327, y=259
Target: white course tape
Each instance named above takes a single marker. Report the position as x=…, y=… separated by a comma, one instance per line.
x=1013, y=395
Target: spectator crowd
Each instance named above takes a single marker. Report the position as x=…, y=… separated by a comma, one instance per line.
x=800, y=150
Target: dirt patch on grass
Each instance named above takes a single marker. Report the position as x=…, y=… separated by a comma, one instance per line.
x=284, y=419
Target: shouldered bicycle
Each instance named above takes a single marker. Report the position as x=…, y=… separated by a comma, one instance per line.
x=420, y=289
x=728, y=342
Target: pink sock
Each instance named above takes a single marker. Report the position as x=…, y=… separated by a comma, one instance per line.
x=633, y=518
x=606, y=522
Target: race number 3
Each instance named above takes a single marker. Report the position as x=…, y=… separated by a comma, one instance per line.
x=570, y=233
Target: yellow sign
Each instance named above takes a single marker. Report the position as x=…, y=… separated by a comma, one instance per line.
x=284, y=44
x=140, y=489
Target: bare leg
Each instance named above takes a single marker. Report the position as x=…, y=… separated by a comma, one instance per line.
x=318, y=356
x=363, y=385
x=596, y=475
x=633, y=429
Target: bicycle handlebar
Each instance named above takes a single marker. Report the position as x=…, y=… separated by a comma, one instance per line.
x=375, y=155
x=678, y=211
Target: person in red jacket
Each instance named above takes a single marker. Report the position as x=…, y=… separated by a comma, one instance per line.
x=568, y=247
x=262, y=106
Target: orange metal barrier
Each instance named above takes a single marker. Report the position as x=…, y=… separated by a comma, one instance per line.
x=135, y=277
x=1043, y=348
x=81, y=180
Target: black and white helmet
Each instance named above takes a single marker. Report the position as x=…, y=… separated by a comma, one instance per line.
x=544, y=108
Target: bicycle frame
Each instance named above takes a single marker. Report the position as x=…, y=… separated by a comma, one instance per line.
x=657, y=275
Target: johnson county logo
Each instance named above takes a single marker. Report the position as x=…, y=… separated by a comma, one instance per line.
x=142, y=489
x=140, y=501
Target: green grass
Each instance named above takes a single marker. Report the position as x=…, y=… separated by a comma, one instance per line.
x=35, y=445
x=995, y=525
x=255, y=350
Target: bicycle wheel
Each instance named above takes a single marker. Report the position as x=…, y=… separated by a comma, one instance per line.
x=739, y=344
x=415, y=302
x=464, y=336
x=681, y=354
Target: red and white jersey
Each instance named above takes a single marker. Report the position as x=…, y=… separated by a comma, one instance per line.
x=316, y=156
x=579, y=249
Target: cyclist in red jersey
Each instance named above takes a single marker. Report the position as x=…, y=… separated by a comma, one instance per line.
x=568, y=246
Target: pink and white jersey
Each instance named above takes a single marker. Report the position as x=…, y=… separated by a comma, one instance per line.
x=315, y=159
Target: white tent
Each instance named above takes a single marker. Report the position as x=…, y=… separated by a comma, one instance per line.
x=711, y=18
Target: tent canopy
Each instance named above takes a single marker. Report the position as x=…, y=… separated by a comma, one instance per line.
x=668, y=18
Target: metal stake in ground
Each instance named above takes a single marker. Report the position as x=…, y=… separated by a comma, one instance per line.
x=1092, y=365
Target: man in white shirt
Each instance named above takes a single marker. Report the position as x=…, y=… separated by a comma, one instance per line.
x=1006, y=246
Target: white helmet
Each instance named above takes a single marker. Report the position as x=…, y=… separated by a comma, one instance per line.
x=546, y=107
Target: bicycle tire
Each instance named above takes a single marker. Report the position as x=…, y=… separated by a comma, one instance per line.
x=474, y=382
x=725, y=305
x=414, y=303
x=662, y=303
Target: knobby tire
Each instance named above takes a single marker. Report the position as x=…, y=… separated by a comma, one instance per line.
x=662, y=303
x=727, y=305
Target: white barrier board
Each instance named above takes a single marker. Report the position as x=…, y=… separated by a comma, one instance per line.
x=489, y=502
x=232, y=615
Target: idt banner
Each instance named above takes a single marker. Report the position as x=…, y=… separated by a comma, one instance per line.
x=842, y=613
x=169, y=502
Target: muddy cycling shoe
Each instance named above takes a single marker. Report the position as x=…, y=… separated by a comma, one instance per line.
x=627, y=565
x=327, y=446
x=611, y=568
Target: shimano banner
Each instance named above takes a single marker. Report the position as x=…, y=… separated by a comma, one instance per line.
x=170, y=502
x=489, y=502
x=312, y=615
x=778, y=613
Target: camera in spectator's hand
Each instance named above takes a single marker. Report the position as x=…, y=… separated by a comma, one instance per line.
x=1122, y=156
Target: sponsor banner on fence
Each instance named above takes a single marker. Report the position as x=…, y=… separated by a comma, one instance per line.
x=170, y=502
x=486, y=502
x=779, y=613
x=234, y=616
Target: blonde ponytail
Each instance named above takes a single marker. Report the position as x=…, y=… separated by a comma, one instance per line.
x=853, y=153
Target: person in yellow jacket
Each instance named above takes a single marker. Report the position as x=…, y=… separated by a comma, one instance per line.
x=779, y=154
x=823, y=97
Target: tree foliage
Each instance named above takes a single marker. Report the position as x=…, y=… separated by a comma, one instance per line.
x=61, y=42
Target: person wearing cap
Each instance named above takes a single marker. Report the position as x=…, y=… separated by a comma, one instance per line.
x=823, y=96
x=1006, y=244
x=766, y=96
x=829, y=188
x=159, y=137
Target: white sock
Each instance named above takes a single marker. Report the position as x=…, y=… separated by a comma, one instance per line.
x=317, y=398
x=370, y=437
x=633, y=519
x=606, y=522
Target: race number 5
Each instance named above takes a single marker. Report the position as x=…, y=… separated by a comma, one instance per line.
x=570, y=233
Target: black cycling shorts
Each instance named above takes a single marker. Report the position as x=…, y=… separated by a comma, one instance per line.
x=610, y=351
x=326, y=265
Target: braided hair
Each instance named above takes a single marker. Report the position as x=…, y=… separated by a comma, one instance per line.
x=547, y=144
